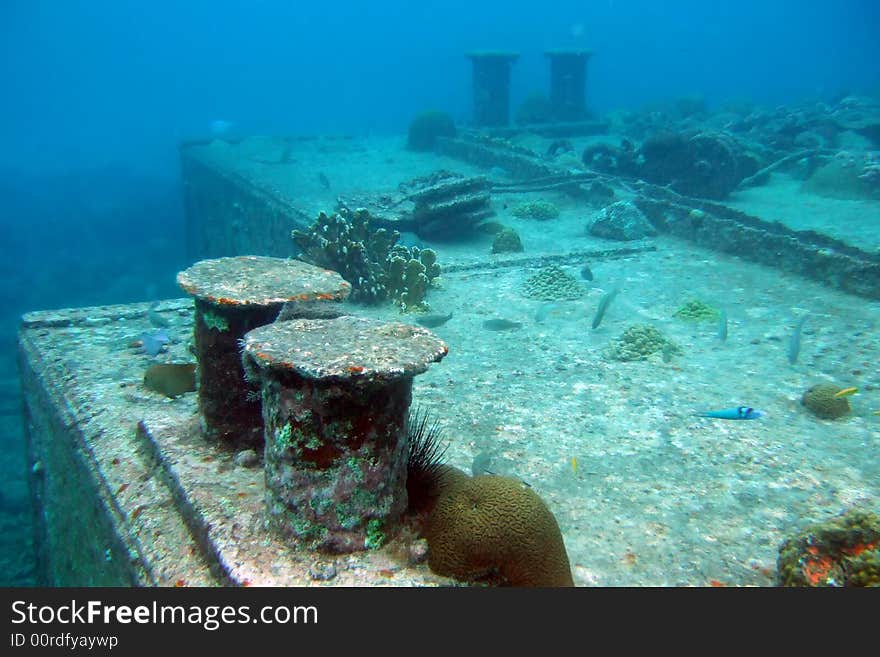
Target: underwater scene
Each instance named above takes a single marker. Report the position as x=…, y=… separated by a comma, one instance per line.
x=441, y=295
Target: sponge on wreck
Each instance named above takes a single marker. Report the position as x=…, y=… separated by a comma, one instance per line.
x=496, y=526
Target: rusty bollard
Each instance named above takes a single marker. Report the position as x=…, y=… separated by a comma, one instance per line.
x=335, y=398
x=232, y=296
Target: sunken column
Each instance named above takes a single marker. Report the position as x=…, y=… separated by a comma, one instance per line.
x=492, y=87
x=336, y=395
x=233, y=296
x=568, y=83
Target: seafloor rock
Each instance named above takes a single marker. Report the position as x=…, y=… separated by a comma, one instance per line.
x=848, y=176
x=620, y=221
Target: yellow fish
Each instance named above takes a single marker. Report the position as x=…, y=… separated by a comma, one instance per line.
x=846, y=392
x=574, y=465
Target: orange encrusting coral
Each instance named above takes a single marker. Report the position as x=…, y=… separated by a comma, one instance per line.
x=859, y=548
x=817, y=568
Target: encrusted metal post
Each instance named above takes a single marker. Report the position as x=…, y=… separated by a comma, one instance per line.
x=336, y=395
x=492, y=87
x=233, y=296
x=568, y=83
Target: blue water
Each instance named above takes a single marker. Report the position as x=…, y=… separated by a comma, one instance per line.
x=96, y=97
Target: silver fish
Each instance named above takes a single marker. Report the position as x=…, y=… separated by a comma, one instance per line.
x=545, y=310
x=604, y=302
x=722, y=325
x=481, y=463
x=794, y=343
x=501, y=324
x=155, y=317
x=433, y=321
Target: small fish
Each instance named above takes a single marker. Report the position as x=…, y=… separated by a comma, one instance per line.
x=155, y=318
x=574, y=464
x=481, y=463
x=433, y=321
x=604, y=302
x=722, y=325
x=153, y=342
x=545, y=310
x=324, y=180
x=846, y=392
x=876, y=412
x=220, y=127
x=587, y=273
x=171, y=379
x=738, y=413
x=501, y=324
x=794, y=343
x=286, y=156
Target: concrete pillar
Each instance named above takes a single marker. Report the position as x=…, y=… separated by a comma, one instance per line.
x=568, y=83
x=492, y=87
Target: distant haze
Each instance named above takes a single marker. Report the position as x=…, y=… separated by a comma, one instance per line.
x=101, y=81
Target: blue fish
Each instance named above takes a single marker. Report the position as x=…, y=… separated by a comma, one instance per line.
x=153, y=342
x=722, y=325
x=738, y=413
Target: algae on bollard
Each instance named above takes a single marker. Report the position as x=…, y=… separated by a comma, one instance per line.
x=336, y=396
x=233, y=296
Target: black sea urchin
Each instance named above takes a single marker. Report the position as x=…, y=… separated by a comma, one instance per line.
x=425, y=459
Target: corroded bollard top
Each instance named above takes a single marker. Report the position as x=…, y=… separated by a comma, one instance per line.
x=232, y=296
x=261, y=281
x=347, y=348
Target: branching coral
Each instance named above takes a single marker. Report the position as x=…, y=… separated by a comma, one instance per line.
x=369, y=258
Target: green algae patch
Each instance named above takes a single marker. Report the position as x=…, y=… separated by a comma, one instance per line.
x=697, y=311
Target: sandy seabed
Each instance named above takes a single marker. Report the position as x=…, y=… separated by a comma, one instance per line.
x=657, y=496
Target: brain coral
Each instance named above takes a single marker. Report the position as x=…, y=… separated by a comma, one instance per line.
x=553, y=284
x=507, y=240
x=492, y=525
x=820, y=400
